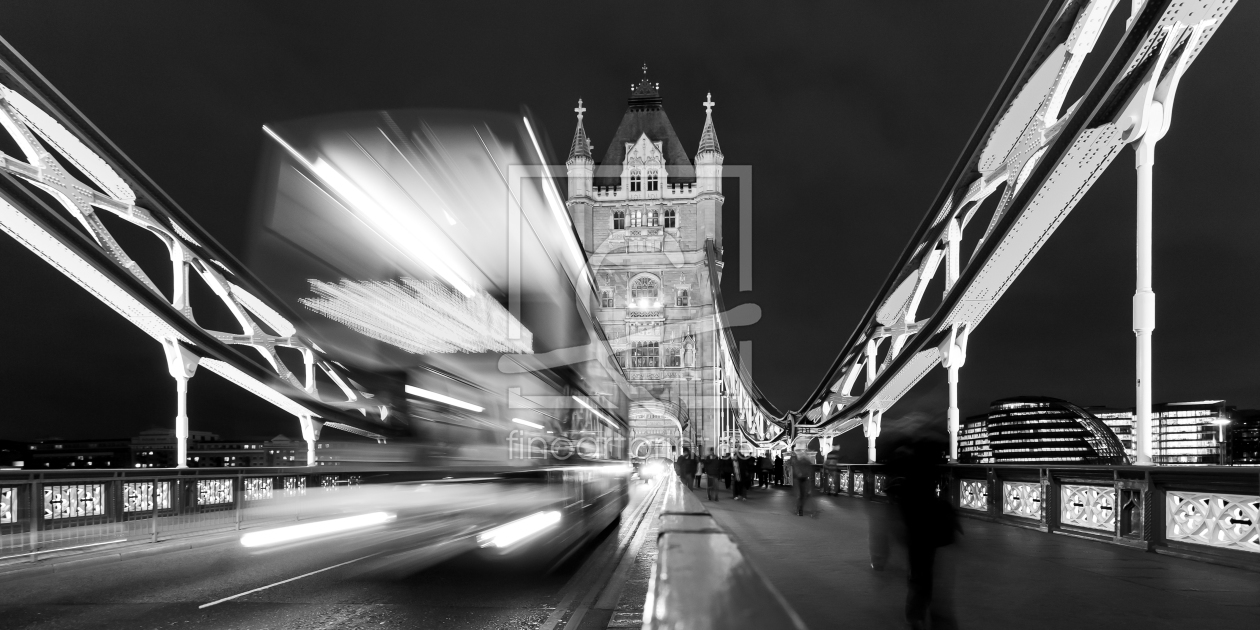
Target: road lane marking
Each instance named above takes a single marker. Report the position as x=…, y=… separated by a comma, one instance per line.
x=263, y=588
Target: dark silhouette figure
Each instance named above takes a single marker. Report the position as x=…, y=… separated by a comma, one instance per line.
x=712, y=467
x=686, y=468
x=929, y=522
x=778, y=469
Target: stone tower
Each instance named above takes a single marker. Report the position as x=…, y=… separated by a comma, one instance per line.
x=646, y=216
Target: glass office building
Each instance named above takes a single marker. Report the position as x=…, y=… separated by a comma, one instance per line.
x=1038, y=429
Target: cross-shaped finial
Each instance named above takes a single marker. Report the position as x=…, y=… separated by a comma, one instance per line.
x=708, y=104
x=579, y=109
x=645, y=69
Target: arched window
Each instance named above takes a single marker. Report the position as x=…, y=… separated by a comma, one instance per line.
x=652, y=219
x=636, y=180
x=605, y=298
x=636, y=218
x=619, y=220
x=683, y=298
x=653, y=183
x=644, y=288
x=671, y=218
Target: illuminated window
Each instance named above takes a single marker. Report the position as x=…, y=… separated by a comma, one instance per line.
x=636, y=218
x=646, y=354
x=605, y=298
x=636, y=181
x=652, y=218
x=644, y=288
x=619, y=220
x=671, y=219
x=652, y=182
x=683, y=298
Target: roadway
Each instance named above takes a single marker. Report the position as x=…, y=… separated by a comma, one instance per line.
x=223, y=585
x=1003, y=576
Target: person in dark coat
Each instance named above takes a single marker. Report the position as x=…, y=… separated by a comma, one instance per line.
x=728, y=469
x=765, y=470
x=712, y=467
x=929, y=523
x=737, y=477
x=778, y=469
x=686, y=468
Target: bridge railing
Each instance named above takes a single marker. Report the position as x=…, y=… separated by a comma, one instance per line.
x=1204, y=513
x=50, y=512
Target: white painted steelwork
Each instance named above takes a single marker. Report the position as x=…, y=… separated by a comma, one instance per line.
x=1229, y=521
x=1022, y=499
x=1093, y=507
x=973, y=495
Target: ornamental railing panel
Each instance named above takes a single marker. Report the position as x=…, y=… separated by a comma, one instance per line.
x=973, y=495
x=1230, y=521
x=74, y=501
x=257, y=488
x=844, y=480
x=1021, y=499
x=138, y=496
x=1091, y=507
x=859, y=484
x=8, y=505
x=881, y=485
x=214, y=491
x=294, y=486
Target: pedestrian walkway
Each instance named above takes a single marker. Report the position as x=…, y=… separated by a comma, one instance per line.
x=1004, y=577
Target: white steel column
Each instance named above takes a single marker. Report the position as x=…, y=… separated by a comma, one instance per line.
x=1144, y=297
x=310, y=433
x=181, y=364
x=871, y=428
x=953, y=355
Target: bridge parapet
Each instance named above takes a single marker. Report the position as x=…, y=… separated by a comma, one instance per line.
x=701, y=580
x=1206, y=513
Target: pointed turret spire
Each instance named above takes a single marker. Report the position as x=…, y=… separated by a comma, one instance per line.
x=581, y=147
x=708, y=137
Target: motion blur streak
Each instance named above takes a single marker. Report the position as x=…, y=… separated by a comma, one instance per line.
x=380, y=217
x=518, y=530
x=420, y=316
x=454, y=402
x=311, y=530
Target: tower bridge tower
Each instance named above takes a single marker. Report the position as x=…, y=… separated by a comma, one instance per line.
x=645, y=215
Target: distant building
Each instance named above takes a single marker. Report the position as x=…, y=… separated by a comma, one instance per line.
x=155, y=448
x=55, y=454
x=1244, y=438
x=973, y=441
x=1120, y=421
x=13, y=454
x=1035, y=430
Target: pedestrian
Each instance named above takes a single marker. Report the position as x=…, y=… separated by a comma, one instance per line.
x=765, y=469
x=929, y=523
x=778, y=469
x=737, y=479
x=749, y=472
x=712, y=469
x=727, y=470
x=788, y=463
x=803, y=474
x=832, y=470
x=687, y=466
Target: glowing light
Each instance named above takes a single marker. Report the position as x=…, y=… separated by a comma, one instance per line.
x=420, y=316
x=528, y=423
x=518, y=530
x=312, y=530
x=596, y=412
x=395, y=228
x=454, y=402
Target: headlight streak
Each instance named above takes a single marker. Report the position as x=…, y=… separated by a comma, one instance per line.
x=311, y=530
x=454, y=402
x=518, y=530
x=527, y=423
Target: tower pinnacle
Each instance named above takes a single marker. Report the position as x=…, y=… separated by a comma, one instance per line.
x=581, y=147
x=708, y=137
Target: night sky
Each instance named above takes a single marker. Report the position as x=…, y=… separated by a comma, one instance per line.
x=851, y=115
